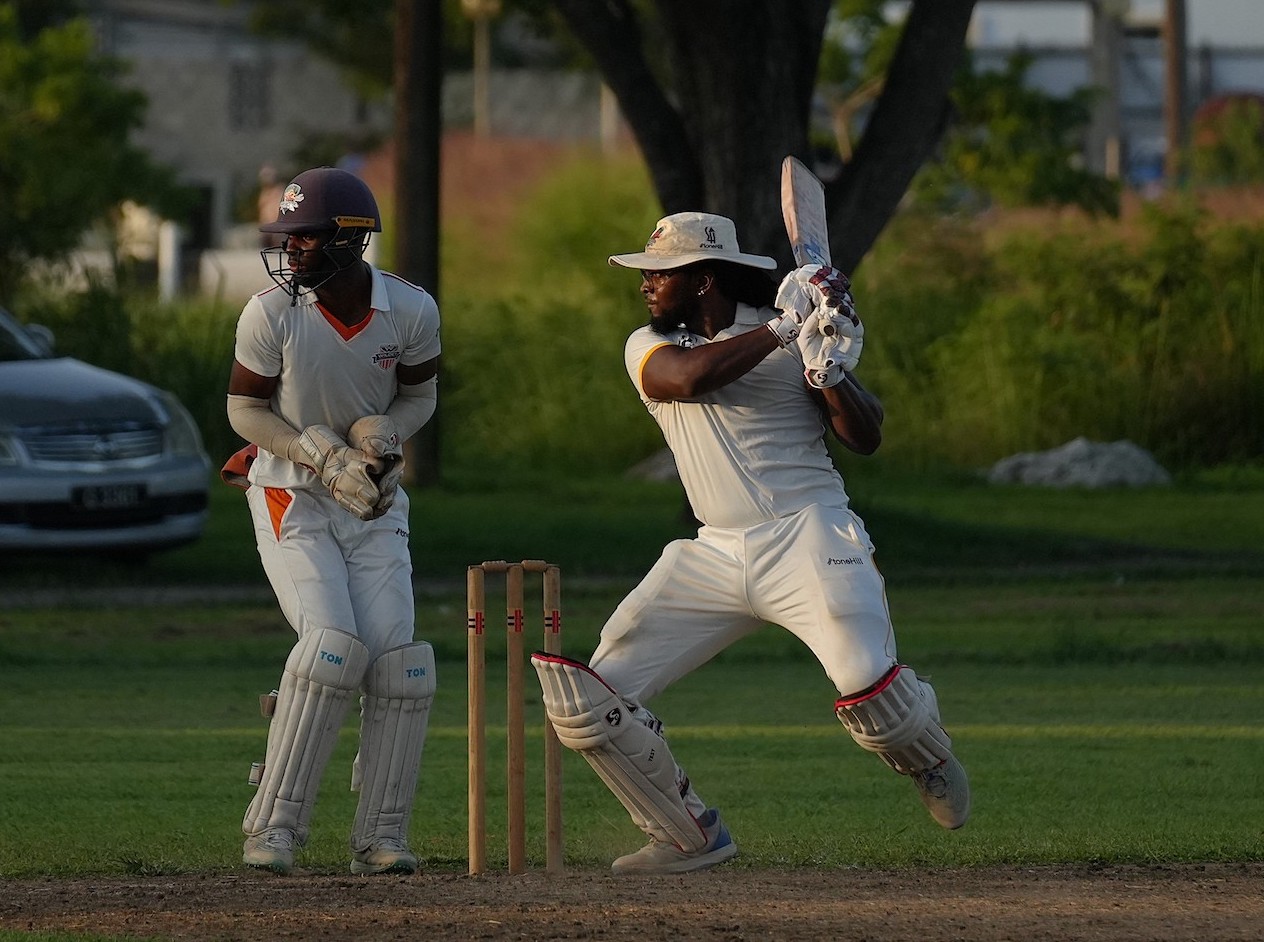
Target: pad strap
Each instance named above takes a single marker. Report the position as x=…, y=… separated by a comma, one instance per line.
x=898, y=718
x=633, y=760
x=322, y=672
x=398, y=690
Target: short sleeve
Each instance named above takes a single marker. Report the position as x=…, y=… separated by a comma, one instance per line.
x=257, y=347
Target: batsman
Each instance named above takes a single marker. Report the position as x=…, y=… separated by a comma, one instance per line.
x=334, y=369
x=745, y=378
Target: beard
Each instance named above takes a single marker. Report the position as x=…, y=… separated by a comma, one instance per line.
x=679, y=317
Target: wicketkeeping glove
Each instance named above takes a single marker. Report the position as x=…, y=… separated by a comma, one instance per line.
x=342, y=469
x=378, y=438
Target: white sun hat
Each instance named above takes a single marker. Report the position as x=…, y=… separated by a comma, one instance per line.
x=684, y=238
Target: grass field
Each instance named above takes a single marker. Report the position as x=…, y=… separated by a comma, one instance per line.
x=1098, y=659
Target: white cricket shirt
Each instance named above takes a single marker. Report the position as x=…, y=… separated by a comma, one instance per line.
x=330, y=374
x=751, y=451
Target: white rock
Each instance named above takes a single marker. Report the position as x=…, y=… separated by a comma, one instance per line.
x=1082, y=463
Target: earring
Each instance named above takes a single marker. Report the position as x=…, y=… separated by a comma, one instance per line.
x=701, y=292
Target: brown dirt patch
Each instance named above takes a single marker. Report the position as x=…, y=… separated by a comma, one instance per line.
x=1096, y=904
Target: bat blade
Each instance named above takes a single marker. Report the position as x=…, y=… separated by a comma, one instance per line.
x=803, y=210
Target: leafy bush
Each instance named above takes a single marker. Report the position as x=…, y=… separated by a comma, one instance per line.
x=1155, y=335
x=533, y=356
x=1015, y=145
x=1227, y=142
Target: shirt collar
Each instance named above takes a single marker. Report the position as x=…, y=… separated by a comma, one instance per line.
x=380, y=300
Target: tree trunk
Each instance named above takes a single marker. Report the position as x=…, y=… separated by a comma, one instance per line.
x=902, y=132
x=734, y=97
x=745, y=78
x=418, y=84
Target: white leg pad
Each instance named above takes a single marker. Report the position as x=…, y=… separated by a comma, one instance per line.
x=898, y=718
x=398, y=690
x=323, y=671
x=630, y=758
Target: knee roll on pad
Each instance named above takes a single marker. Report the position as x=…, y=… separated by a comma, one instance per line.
x=633, y=761
x=322, y=672
x=398, y=690
x=898, y=718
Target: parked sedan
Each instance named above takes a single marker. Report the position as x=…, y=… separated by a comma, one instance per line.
x=90, y=459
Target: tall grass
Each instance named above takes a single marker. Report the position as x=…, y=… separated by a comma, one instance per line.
x=982, y=340
x=1152, y=330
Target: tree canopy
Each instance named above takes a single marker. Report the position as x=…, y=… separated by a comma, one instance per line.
x=65, y=158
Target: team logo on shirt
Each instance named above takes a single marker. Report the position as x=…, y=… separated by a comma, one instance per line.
x=387, y=355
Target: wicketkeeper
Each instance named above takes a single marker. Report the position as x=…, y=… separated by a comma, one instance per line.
x=335, y=368
x=744, y=378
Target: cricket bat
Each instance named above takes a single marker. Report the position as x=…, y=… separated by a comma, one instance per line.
x=803, y=209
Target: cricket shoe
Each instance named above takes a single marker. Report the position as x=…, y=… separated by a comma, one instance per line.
x=945, y=791
x=662, y=857
x=270, y=849
x=385, y=856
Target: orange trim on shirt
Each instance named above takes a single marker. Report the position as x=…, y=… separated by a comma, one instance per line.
x=278, y=499
x=345, y=332
x=640, y=370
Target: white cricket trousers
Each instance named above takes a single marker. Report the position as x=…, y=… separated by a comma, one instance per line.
x=330, y=569
x=811, y=573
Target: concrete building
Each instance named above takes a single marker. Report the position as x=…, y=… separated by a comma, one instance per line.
x=225, y=103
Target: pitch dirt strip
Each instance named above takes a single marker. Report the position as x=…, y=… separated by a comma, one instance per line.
x=1168, y=903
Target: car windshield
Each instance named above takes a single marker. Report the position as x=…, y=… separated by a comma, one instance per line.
x=16, y=343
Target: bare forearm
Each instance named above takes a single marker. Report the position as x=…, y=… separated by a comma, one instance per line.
x=854, y=415
x=679, y=373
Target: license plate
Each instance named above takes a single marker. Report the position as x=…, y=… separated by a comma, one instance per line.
x=109, y=496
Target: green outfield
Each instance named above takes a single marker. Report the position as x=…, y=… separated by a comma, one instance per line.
x=1109, y=708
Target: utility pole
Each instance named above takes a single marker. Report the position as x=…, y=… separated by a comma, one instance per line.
x=418, y=87
x=1105, y=43
x=482, y=12
x=1174, y=88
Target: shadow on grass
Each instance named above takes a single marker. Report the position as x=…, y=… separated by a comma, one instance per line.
x=916, y=549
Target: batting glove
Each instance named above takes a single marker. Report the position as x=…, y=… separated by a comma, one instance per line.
x=829, y=346
x=785, y=327
x=811, y=287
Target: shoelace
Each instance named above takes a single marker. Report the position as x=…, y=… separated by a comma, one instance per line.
x=935, y=782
